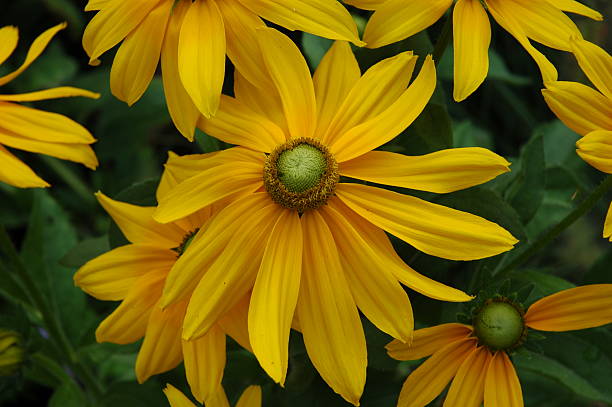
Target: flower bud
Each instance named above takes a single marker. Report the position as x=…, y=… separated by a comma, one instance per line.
x=11, y=352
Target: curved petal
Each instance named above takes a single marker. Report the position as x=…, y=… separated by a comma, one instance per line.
x=14, y=172
x=53, y=93
x=235, y=323
x=9, y=36
x=275, y=295
x=251, y=397
x=576, y=308
x=607, y=231
x=395, y=20
x=471, y=40
x=467, y=388
x=95, y=5
x=176, y=398
x=431, y=228
x=201, y=55
x=596, y=63
x=427, y=341
x=572, y=6
x=596, y=149
x=328, y=316
x=443, y=171
x=502, y=386
x=366, y=4
x=204, y=363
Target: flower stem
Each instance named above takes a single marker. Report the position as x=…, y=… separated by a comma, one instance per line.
x=444, y=39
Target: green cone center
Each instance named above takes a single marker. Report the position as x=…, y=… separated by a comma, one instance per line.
x=301, y=168
x=499, y=325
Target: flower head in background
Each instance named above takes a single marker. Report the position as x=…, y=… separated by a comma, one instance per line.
x=476, y=357
x=587, y=111
x=541, y=21
x=11, y=352
x=192, y=39
x=251, y=397
x=34, y=130
x=305, y=243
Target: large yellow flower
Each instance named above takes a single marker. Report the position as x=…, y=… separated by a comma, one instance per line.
x=542, y=21
x=135, y=274
x=586, y=111
x=477, y=356
x=34, y=130
x=302, y=241
x=251, y=397
x=193, y=39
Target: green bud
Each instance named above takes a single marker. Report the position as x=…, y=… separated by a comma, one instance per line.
x=11, y=353
x=499, y=325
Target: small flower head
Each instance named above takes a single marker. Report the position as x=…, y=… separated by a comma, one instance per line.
x=11, y=352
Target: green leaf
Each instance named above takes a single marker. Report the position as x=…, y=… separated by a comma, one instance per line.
x=207, y=143
x=467, y=134
x=68, y=394
x=314, y=48
x=544, y=283
x=85, y=251
x=132, y=394
x=431, y=131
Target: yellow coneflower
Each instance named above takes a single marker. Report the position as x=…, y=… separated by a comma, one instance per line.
x=251, y=397
x=192, y=38
x=304, y=242
x=541, y=21
x=34, y=130
x=587, y=111
x=135, y=274
x=476, y=357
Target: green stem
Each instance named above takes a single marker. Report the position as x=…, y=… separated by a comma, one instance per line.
x=444, y=39
x=585, y=206
x=69, y=177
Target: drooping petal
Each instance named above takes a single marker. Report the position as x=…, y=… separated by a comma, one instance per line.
x=467, y=388
x=53, y=93
x=471, y=40
x=275, y=295
x=607, y=231
x=395, y=20
x=595, y=62
x=328, y=316
x=502, y=386
x=201, y=55
x=9, y=36
x=442, y=171
x=577, y=8
x=235, y=323
x=596, y=149
x=427, y=341
x=14, y=172
x=431, y=228
x=576, y=308
x=204, y=363
x=251, y=397
x=176, y=398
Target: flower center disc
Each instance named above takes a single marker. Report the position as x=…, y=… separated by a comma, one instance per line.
x=301, y=174
x=499, y=326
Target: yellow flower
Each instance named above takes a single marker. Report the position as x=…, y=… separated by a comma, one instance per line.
x=35, y=130
x=135, y=274
x=541, y=21
x=251, y=397
x=11, y=352
x=192, y=39
x=481, y=369
x=301, y=241
x=586, y=111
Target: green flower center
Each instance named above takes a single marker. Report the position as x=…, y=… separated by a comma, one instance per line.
x=499, y=325
x=301, y=168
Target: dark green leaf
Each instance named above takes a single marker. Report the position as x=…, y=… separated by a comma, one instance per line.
x=68, y=394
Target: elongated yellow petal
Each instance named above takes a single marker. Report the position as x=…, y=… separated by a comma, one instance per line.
x=138, y=56
x=607, y=231
x=275, y=295
x=37, y=47
x=395, y=20
x=596, y=63
x=53, y=93
x=392, y=121
x=204, y=363
x=291, y=76
x=374, y=92
x=578, y=106
x=235, y=123
x=428, y=380
x=433, y=229
x=334, y=78
x=366, y=4
x=14, y=172
x=328, y=316
x=176, y=398
x=471, y=40
x=219, y=399
x=201, y=55
x=467, y=388
x=596, y=149
x=427, y=341
x=111, y=275
x=576, y=308
x=251, y=397
x=443, y=171
x=9, y=36
x=576, y=7
x=94, y=5
x=369, y=279
x=502, y=386
x=324, y=18
x=235, y=323
x=179, y=168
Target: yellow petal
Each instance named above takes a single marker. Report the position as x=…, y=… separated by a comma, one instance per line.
x=37, y=47
x=396, y=118
x=201, y=55
x=219, y=399
x=374, y=92
x=328, y=316
x=607, y=232
x=366, y=4
x=578, y=106
x=235, y=123
x=427, y=341
x=443, y=171
x=251, y=397
x=596, y=64
x=502, y=387
x=111, y=275
x=428, y=380
x=176, y=398
x=179, y=168
x=369, y=279
x=467, y=388
x=431, y=228
x=16, y=173
x=235, y=323
x=204, y=363
x=576, y=7
x=576, y=308
x=275, y=295
x=138, y=56
x=94, y=5
x=9, y=36
x=398, y=19
x=596, y=149
x=471, y=39
x=113, y=23
x=324, y=18
x=54, y=93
